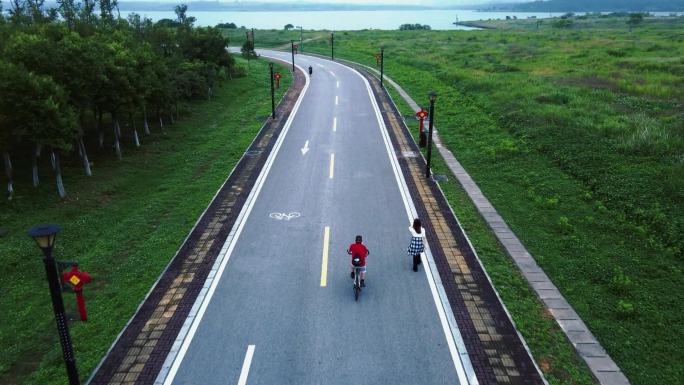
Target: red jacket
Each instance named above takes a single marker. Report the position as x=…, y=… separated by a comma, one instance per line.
x=361, y=250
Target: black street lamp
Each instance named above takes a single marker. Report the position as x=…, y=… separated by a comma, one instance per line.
x=433, y=96
x=293, y=66
x=382, y=66
x=45, y=235
x=332, y=46
x=270, y=67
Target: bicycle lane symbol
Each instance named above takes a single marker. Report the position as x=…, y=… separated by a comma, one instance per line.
x=285, y=216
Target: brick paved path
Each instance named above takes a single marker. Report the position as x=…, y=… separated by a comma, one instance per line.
x=138, y=354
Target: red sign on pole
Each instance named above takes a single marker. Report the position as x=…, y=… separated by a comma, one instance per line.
x=77, y=279
x=421, y=115
x=296, y=48
x=377, y=58
x=277, y=77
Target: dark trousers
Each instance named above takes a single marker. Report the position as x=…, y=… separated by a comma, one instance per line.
x=416, y=262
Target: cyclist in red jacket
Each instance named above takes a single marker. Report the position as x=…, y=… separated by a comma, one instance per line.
x=361, y=250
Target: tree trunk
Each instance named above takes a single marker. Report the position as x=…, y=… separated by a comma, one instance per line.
x=147, y=126
x=58, y=174
x=161, y=123
x=36, y=155
x=209, y=93
x=8, y=172
x=117, y=133
x=171, y=116
x=84, y=156
x=136, y=139
x=99, y=128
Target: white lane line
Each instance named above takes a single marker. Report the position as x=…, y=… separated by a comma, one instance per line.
x=332, y=73
x=305, y=149
x=332, y=165
x=324, y=258
x=462, y=363
x=187, y=333
x=338, y=84
x=335, y=124
x=245, y=365
x=337, y=100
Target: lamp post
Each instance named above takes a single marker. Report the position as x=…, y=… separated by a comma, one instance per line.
x=293, y=66
x=433, y=96
x=270, y=67
x=382, y=66
x=332, y=46
x=45, y=235
x=301, y=39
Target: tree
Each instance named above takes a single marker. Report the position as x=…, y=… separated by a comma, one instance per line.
x=288, y=27
x=248, y=50
x=563, y=23
x=226, y=25
x=635, y=19
x=182, y=17
x=34, y=108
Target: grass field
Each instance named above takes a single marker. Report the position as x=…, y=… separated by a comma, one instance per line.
x=577, y=137
x=123, y=225
x=274, y=38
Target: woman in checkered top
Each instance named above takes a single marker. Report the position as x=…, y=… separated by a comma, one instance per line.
x=417, y=245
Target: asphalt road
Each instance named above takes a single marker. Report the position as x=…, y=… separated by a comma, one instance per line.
x=271, y=295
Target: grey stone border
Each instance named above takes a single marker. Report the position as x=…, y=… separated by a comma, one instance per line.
x=602, y=366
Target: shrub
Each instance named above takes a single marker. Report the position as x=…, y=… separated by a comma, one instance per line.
x=624, y=309
x=619, y=282
x=562, y=23
x=556, y=98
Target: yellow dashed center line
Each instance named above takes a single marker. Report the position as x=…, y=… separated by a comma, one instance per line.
x=324, y=264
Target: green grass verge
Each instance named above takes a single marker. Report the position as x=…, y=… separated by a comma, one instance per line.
x=577, y=138
x=123, y=225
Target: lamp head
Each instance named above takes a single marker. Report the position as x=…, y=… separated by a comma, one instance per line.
x=44, y=235
x=433, y=96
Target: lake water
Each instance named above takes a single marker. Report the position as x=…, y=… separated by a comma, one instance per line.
x=342, y=20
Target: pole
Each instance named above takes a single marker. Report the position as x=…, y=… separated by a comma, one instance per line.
x=382, y=66
x=332, y=46
x=60, y=318
x=270, y=66
x=429, y=154
x=253, y=36
x=293, y=66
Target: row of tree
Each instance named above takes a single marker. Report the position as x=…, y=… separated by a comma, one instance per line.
x=66, y=71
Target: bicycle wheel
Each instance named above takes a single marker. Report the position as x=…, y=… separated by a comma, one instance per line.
x=357, y=289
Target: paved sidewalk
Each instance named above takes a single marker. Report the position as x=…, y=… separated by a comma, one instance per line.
x=137, y=356
x=600, y=363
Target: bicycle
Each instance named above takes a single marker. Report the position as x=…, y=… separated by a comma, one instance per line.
x=356, y=262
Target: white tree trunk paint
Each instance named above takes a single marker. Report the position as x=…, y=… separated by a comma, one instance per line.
x=117, y=145
x=84, y=157
x=36, y=155
x=146, y=125
x=8, y=172
x=58, y=175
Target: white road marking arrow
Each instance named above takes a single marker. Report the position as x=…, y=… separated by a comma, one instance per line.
x=305, y=149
